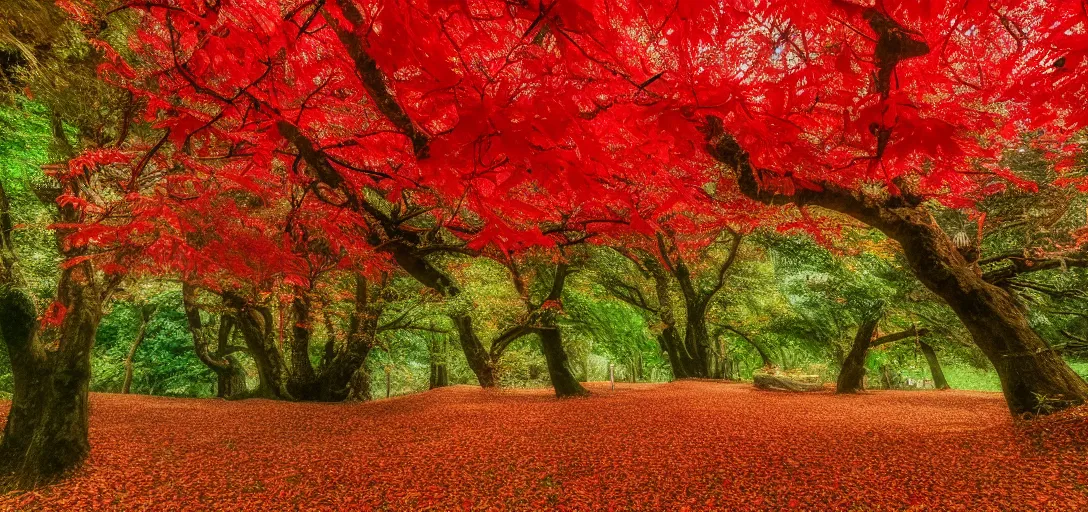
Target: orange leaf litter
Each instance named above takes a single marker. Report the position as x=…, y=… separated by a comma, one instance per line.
x=680, y=446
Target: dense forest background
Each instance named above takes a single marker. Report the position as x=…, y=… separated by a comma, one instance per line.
x=797, y=299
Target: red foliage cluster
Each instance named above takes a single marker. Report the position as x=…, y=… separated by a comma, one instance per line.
x=507, y=122
x=697, y=445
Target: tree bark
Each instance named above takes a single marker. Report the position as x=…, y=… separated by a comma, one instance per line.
x=7, y=246
x=302, y=382
x=478, y=358
x=939, y=381
x=45, y=435
x=359, y=388
x=230, y=377
x=46, y=432
x=669, y=341
x=697, y=341
x=551, y=342
x=694, y=349
x=440, y=376
x=684, y=365
x=231, y=382
x=853, y=367
x=697, y=298
x=1034, y=377
x=146, y=312
x=255, y=324
x=332, y=381
x=563, y=381
x=343, y=372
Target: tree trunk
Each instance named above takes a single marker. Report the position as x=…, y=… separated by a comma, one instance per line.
x=46, y=432
x=255, y=323
x=684, y=365
x=1034, y=378
x=230, y=377
x=231, y=382
x=440, y=376
x=695, y=348
x=680, y=360
x=302, y=381
x=359, y=388
x=479, y=361
x=551, y=340
x=697, y=341
x=853, y=367
x=7, y=246
x=333, y=382
x=336, y=379
x=475, y=354
x=939, y=381
x=551, y=343
x=146, y=311
x=669, y=339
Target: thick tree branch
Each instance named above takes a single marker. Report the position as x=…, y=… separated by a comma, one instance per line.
x=629, y=294
x=1016, y=264
x=891, y=338
x=499, y=346
x=373, y=79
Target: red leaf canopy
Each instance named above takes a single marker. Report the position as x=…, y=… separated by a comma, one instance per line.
x=291, y=122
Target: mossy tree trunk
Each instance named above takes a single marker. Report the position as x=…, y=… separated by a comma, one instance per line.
x=255, y=322
x=439, y=376
x=230, y=376
x=697, y=298
x=46, y=432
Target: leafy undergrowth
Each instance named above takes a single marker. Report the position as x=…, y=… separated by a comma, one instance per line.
x=700, y=445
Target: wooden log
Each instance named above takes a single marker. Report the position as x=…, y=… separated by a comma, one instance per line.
x=779, y=383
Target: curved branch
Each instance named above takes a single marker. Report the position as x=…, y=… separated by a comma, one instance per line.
x=891, y=338
x=758, y=346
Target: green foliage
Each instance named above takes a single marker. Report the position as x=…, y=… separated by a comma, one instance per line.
x=6, y=384
x=828, y=294
x=523, y=365
x=404, y=355
x=165, y=363
x=25, y=139
x=599, y=324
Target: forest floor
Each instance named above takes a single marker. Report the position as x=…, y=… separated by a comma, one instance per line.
x=697, y=445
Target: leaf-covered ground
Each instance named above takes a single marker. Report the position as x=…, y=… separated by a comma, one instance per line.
x=697, y=445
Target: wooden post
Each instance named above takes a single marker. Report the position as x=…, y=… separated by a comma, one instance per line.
x=388, y=371
x=612, y=375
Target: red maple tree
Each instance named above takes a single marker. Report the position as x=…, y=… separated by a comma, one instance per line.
x=409, y=129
